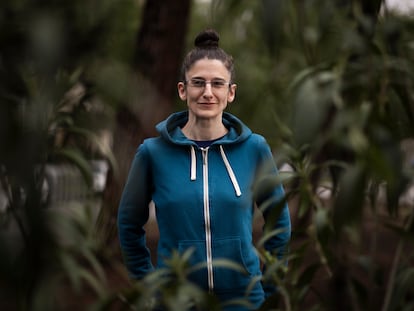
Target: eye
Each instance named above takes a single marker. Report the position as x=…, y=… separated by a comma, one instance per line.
x=218, y=83
x=198, y=82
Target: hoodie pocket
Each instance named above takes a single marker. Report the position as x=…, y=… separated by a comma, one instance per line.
x=228, y=277
x=233, y=266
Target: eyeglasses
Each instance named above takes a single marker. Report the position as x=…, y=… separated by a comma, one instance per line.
x=201, y=83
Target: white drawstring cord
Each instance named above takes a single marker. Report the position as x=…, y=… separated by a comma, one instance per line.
x=226, y=163
x=230, y=171
x=193, y=164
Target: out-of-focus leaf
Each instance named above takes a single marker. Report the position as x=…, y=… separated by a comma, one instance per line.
x=348, y=205
x=315, y=96
x=267, y=184
x=403, y=286
x=95, y=264
x=268, y=234
x=70, y=267
x=321, y=220
x=238, y=302
x=273, y=14
x=92, y=281
x=219, y=263
x=385, y=153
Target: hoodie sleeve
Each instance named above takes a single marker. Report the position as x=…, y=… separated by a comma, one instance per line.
x=270, y=197
x=133, y=213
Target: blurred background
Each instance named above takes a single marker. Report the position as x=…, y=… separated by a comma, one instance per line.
x=329, y=83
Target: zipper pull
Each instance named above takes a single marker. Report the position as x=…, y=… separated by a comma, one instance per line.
x=204, y=152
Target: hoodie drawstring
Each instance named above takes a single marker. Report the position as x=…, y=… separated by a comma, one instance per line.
x=193, y=164
x=226, y=164
x=230, y=172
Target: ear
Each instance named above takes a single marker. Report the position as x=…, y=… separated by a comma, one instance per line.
x=232, y=93
x=182, y=91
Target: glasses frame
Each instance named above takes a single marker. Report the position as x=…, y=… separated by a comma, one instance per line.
x=221, y=84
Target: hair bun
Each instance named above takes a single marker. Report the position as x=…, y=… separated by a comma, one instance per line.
x=208, y=39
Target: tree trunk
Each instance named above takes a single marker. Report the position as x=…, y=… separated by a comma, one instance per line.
x=159, y=50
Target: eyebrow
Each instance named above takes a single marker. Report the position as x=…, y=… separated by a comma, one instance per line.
x=216, y=78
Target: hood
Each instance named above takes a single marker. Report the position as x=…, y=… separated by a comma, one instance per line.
x=170, y=129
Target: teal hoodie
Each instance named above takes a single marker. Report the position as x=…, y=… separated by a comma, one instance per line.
x=204, y=200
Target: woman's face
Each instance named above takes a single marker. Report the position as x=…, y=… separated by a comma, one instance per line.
x=207, y=90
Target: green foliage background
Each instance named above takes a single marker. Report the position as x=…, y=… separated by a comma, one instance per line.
x=329, y=83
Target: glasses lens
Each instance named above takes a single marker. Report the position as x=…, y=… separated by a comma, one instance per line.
x=201, y=83
x=218, y=84
x=198, y=82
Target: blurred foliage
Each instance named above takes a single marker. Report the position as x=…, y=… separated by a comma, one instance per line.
x=329, y=83
x=56, y=58
x=169, y=289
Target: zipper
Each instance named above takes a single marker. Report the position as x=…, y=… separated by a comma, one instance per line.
x=207, y=221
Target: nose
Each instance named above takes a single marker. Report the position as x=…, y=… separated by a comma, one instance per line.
x=207, y=92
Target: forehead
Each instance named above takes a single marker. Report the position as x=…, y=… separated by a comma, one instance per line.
x=208, y=69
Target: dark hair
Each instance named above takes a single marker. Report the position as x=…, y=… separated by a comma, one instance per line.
x=207, y=46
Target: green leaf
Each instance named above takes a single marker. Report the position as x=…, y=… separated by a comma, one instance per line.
x=315, y=96
x=93, y=282
x=219, y=263
x=268, y=234
x=348, y=205
x=404, y=284
x=95, y=264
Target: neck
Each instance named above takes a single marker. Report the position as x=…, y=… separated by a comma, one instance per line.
x=204, y=129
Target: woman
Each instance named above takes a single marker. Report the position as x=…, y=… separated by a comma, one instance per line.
x=200, y=173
